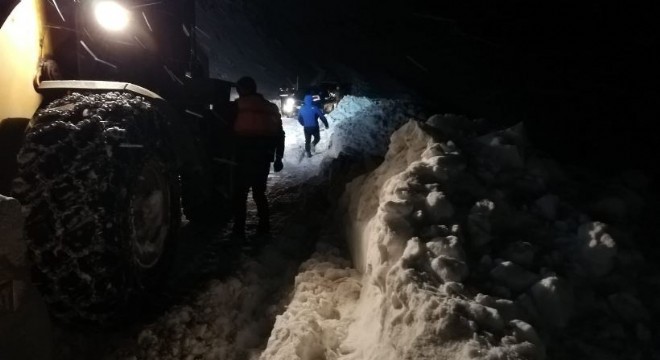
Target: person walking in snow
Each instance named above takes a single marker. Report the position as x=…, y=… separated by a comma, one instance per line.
x=258, y=141
x=308, y=116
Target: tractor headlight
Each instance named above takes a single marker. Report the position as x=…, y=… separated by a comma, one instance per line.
x=289, y=105
x=111, y=15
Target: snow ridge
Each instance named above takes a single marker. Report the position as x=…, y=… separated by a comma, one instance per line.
x=473, y=252
x=410, y=247
x=362, y=126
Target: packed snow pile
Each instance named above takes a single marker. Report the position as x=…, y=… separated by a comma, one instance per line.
x=363, y=126
x=317, y=319
x=477, y=248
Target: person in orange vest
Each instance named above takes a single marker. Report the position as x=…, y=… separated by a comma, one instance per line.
x=258, y=141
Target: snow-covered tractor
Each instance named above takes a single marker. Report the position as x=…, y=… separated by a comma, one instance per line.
x=107, y=116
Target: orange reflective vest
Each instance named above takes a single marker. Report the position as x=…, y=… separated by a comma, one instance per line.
x=255, y=116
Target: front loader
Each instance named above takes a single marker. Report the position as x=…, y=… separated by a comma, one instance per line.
x=107, y=117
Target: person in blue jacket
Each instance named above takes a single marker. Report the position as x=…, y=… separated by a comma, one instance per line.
x=308, y=116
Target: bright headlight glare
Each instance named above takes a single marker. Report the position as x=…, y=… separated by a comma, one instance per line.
x=288, y=105
x=111, y=15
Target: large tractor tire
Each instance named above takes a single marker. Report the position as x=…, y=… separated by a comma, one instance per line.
x=101, y=202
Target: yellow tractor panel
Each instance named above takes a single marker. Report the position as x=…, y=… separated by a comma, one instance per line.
x=21, y=50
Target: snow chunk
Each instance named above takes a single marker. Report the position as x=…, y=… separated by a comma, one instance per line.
x=554, y=301
x=597, y=248
x=529, y=311
x=513, y=276
x=486, y=317
x=450, y=269
x=547, y=206
x=438, y=206
x=520, y=252
x=628, y=307
x=506, y=308
x=501, y=150
x=397, y=209
x=433, y=151
x=450, y=125
x=525, y=332
x=414, y=254
x=395, y=214
x=447, y=246
x=479, y=222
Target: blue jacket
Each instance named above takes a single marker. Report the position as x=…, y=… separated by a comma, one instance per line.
x=309, y=114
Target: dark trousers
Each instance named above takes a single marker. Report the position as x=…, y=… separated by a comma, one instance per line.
x=251, y=175
x=309, y=132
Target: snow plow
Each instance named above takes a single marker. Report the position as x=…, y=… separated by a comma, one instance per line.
x=108, y=120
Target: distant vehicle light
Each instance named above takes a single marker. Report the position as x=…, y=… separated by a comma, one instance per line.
x=289, y=105
x=111, y=15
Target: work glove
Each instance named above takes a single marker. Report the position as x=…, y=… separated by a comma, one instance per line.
x=277, y=165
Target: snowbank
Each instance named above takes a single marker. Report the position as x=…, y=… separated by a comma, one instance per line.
x=359, y=127
x=363, y=126
x=411, y=248
x=483, y=251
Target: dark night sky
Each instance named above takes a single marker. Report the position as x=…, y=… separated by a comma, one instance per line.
x=582, y=75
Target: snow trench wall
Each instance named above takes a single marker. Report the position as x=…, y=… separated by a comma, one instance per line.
x=364, y=195
x=413, y=303
x=482, y=249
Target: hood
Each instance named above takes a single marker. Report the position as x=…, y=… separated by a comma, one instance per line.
x=309, y=100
